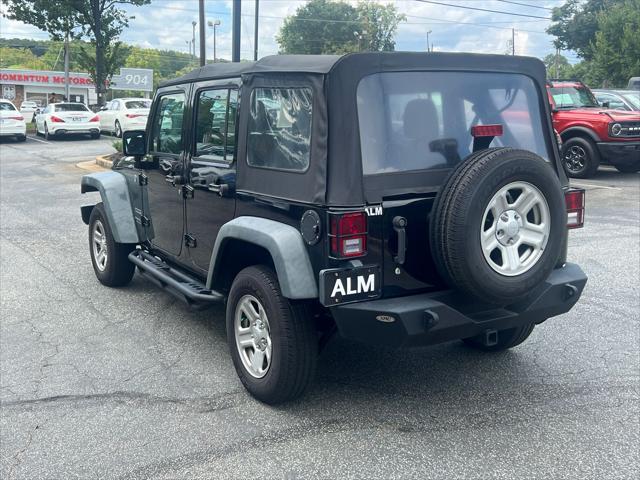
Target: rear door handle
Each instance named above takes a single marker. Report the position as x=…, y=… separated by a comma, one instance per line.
x=399, y=224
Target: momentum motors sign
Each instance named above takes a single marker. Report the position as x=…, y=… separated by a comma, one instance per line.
x=43, y=78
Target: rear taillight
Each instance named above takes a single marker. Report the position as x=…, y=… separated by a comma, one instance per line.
x=486, y=131
x=95, y=119
x=56, y=119
x=348, y=234
x=574, y=199
x=134, y=115
x=17, y=117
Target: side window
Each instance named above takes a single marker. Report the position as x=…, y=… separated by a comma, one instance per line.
x=167, y=124
x=114, y=105
x=216, y=124
x=280, y=128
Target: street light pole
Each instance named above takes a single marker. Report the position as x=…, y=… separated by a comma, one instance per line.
x=255, y=32
x=203, y=47
x=193, y=38
x=428, y=48
x=214, y=24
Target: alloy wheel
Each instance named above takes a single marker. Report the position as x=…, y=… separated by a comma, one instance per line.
x=253, y=336
x=99, y=245
x=515, y=228
x=575, y=159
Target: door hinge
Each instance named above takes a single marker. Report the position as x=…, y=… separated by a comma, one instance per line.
x=187, y=191
x=190, y=240
x=144, y=221
x=143, y=179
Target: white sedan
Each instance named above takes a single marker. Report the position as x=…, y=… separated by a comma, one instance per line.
x=11, y=121
x=65, y=118
x=123, y=114
x=28, y=110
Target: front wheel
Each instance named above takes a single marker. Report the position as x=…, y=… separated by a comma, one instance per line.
x=508, y=338
x=273, y=341
x=110, y=259
x=580, y=157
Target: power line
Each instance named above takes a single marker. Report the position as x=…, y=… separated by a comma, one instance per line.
x=482, y=9
x=526, y=5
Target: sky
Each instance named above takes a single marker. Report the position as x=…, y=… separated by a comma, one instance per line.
x=167, y=24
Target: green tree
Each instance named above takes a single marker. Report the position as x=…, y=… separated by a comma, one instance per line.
x=616, y=50
x=557, y=66
x=336, y=27
x=101, y=21
x=380, y=22
x=14, y=57
x=575, y=24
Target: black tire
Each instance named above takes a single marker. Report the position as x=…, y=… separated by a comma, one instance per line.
x=117, y=270
x=95, y=136
x=46, y=134
x=22, y=138
x=628, y=168
x=508, y=338
x=580, y=157
x=457, y=216
x=117, y=129
x=293, y=338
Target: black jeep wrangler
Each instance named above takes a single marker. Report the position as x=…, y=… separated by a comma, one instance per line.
x=401, y=199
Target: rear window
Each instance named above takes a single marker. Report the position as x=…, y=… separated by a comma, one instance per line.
x=5, y=107
x=71, y=107
x=422, y=120
x=138, y=104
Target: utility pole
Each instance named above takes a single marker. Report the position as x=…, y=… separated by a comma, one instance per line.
x=557, y=62
x=66, y=66
x=513, y=41
x=214, y=24
x=193, y=38
x=235, y=31
x=428, y=49
x=255, y=32
x=203, y=49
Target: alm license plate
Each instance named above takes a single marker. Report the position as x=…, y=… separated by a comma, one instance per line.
x=77, y=119
x=346, y=285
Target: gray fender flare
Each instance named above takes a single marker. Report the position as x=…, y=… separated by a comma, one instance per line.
x=283, y=242
x=117, y=204
x=571, y=131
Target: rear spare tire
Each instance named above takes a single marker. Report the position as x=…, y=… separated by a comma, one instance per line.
x=498, y=225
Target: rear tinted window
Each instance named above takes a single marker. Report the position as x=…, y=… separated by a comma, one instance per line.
x=138, y=104
x=71, y=107
x=422, y=120
x=6, y=106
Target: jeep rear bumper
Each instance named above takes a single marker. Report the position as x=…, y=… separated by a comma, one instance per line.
x=431, y=318
x=620, y=153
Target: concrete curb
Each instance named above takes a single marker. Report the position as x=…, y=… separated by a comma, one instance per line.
x=103, y=161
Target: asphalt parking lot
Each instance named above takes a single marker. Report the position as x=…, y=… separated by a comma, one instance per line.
x=129, y=383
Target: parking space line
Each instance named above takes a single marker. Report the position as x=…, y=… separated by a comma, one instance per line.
x=38, y=140
x=594, y=185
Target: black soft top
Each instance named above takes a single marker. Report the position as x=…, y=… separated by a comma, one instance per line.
x=335, y=174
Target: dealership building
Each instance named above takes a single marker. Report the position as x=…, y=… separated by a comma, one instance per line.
x=44, y=87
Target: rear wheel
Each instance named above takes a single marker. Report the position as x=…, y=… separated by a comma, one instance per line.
x=95, y=136
x=580, y=157
x=117, y=129
x=46, y=132
x=110, y=259
x=498, y=225
x=22, y=138
x=508, y=338
x=272, y=340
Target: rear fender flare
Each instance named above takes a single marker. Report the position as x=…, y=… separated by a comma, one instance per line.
x=285, y=245
x=117, y=203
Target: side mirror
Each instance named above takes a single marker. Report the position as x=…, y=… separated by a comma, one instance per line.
x=605, y=105
x=134, y=143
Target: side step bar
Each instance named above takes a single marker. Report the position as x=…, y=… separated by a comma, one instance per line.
x=186, y=288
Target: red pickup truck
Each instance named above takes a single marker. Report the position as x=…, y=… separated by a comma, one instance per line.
x=592, y=134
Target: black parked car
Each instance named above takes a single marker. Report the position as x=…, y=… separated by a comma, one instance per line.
x=397, y=198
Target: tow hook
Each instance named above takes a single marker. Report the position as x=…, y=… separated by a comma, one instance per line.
x=490, y=338
x=570, y=291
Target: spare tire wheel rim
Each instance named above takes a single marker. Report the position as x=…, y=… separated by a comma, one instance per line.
x=253, y=336
x=515, y=228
